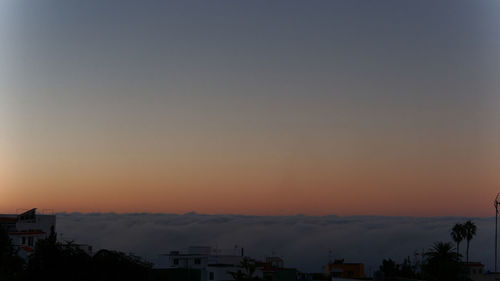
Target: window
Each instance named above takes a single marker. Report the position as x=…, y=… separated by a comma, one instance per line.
x=211, y=277
x=30, y=241
x=23, y=240
x=197, y=261
x=176, y=261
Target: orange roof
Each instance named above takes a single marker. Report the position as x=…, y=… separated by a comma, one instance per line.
x=27, y=249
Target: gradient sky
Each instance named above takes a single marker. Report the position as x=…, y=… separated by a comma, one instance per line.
x=256, y=107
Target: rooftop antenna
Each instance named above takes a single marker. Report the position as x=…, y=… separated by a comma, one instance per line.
x=496, y=223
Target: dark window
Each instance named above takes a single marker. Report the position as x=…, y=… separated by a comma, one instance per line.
x=176, y=261
x=197, y=261
x=30, y=241
x=211, y=276
x=24, y=240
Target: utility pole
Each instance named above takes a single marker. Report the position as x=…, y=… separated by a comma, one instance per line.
x=496, y=223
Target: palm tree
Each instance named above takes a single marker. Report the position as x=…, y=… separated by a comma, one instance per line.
x=246, y=272
x=441, y=263
x=470, y=232
x=441, y=251
x=458, y=234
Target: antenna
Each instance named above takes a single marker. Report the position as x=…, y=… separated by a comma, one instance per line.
x=496, y=203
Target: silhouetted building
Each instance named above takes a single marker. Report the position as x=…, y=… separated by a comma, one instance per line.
x=200, y=264
x=340, y=269
x=8, y=222
x=273, y=270
x=474, y=270
x=490, y=276
x=285, y=274
x=27, y=228
x=275, y=262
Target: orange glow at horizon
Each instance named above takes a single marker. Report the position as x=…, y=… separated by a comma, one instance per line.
x=408, y=185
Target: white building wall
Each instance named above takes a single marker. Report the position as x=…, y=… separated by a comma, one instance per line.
x=207, y=260
x=42, y=223
x=28, y=232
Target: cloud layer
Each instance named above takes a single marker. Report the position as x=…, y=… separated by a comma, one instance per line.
x=306, y=242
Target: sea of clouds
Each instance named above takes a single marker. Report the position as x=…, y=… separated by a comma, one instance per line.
x=305, y=242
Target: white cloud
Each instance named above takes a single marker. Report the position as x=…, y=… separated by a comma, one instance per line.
x=303, y=241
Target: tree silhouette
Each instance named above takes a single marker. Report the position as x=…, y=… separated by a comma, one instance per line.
x=246, y=272
x=407, y=269
x=394, y=271
x=11, y=265
x=458, y=234
x=44, y=262
x=76, y=264
x=442, y=263
x=113, y=265
x=56, y=261
x=390, y=268
x=470, y=232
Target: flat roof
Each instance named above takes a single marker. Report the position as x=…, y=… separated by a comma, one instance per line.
x=26, y=233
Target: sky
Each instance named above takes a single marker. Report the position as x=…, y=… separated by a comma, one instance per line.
x=250, y=107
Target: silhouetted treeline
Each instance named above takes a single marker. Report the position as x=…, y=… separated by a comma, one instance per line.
x=11, y=265
x=394, y=271
x=442, y=262
x=54, y=261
